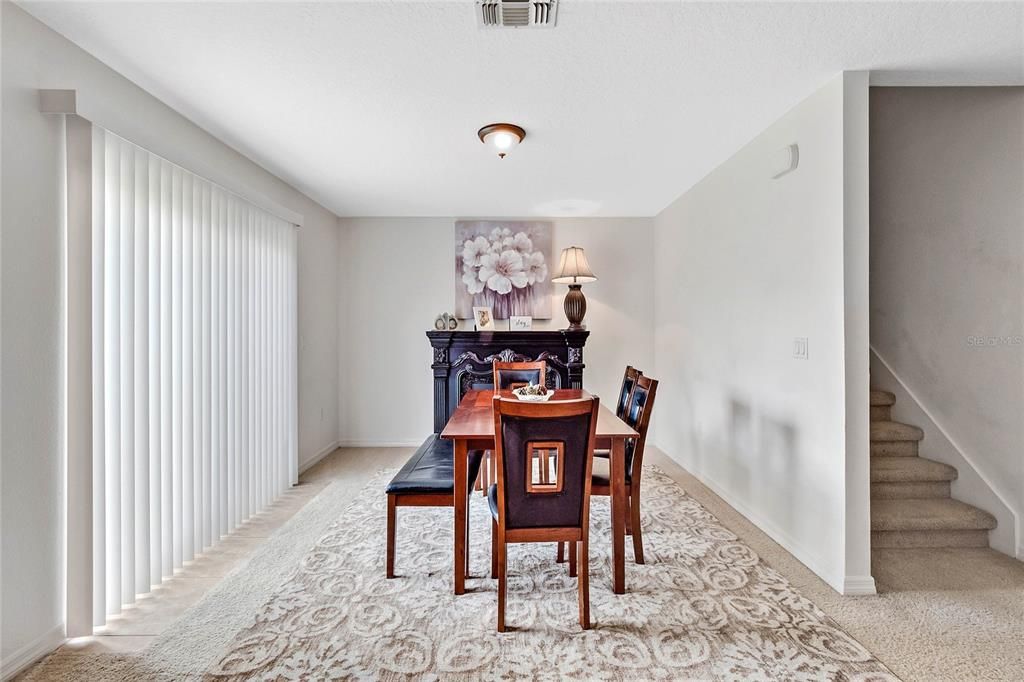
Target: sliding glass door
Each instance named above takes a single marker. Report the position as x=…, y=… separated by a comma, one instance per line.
x=194, y=366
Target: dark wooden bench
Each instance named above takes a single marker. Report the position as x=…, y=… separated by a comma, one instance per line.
x=426, y=480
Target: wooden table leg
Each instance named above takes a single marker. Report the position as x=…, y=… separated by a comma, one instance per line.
x=460, y=501
x=617, y=465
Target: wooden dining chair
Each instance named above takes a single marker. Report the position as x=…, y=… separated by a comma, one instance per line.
x=638, y=416
x=510, y=375
x=523, y=507
x=629, y=378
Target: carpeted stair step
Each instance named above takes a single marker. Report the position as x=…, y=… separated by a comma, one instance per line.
x=882, y=398
x=881, y=405
x=910, y=539
x=909, y=478
x=928, y=515
x=893, y=439
x=928, y=523
x=890, y=431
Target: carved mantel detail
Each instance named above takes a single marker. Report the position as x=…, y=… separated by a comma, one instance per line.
x=464, y=359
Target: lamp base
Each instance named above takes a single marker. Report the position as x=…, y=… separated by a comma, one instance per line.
x=575, y=306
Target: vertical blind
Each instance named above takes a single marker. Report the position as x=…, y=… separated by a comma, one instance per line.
x=194, y=366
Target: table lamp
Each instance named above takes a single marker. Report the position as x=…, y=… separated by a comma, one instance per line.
x=574, y=270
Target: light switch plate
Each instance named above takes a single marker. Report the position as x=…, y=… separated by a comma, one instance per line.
x=800, y=347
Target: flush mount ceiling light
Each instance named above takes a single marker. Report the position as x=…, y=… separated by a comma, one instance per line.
x=503, y=137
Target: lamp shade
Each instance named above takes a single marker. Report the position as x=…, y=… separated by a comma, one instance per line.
x=573, y=268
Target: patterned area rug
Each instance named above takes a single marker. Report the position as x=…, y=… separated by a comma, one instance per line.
x=703, y=607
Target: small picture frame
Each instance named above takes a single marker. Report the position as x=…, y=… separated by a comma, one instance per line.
x=484, y=318
x=520, y=323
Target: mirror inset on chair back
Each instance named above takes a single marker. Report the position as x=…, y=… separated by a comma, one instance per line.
x=509, y=375
x=628, y=382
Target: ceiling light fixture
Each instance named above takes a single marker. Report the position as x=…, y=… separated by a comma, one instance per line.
x=503, y=137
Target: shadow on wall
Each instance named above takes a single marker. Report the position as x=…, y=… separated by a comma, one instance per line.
x=751, y=456
x=759, y=461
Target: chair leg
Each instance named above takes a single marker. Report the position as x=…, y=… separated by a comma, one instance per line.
x=583, y=583
x=390, y=559
x=494, y=548
x=486, y=472
x=502, y=570
x=561, y=553
x=468, y=526
x=572, y=559
x=481, y=479
x=638, y=540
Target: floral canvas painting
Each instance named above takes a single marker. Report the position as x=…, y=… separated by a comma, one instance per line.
x=505, y=265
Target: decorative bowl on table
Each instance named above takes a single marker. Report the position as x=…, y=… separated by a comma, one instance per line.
x=532, y=393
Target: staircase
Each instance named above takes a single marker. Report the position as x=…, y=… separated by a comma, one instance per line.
x=910, y=496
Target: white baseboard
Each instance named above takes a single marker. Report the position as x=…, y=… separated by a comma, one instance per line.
x=800, y=553
x=380, y=443
x=859, y=585
x=318, y=456
x=31, y=652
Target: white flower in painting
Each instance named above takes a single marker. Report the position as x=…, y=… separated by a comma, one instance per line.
x=500, y=233
x=472, y=251
x=536, y=268
x=473, y=284
x=522, y=244
x=503, y=271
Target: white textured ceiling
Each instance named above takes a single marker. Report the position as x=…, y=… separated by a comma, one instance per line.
x=372, y=108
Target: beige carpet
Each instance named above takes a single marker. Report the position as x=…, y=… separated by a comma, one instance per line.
x=704, y=607
x=941, y=615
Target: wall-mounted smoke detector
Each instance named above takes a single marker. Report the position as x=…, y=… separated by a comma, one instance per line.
x=516, y=13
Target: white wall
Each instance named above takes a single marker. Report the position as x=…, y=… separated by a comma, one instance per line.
x=399, y=274
x=743, y=264
x=947, y=215
x=35, y=57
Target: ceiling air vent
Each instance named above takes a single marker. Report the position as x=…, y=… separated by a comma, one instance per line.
x=516, y=13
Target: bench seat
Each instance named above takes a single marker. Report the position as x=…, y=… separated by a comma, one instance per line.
x=431, y=469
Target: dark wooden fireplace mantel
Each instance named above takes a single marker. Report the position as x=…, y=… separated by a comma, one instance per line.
x=462, y=361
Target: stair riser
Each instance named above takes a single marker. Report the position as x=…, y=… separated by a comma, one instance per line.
x=910, y=490
x=928, y=538
x=894, y=448
x=881, y=413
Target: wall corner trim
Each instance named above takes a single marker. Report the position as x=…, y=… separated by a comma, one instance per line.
x=58, y=101
x=31, y=652
x=859, y=586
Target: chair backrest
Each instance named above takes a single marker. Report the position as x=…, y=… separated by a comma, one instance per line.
x=629, y=378
x=638, y=416
x=544, y=454
x=515, y=374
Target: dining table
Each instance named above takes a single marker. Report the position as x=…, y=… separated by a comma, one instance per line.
x=471, y=427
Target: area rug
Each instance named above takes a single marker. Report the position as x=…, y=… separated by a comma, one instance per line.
x=314, y=604
x=703, y=607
